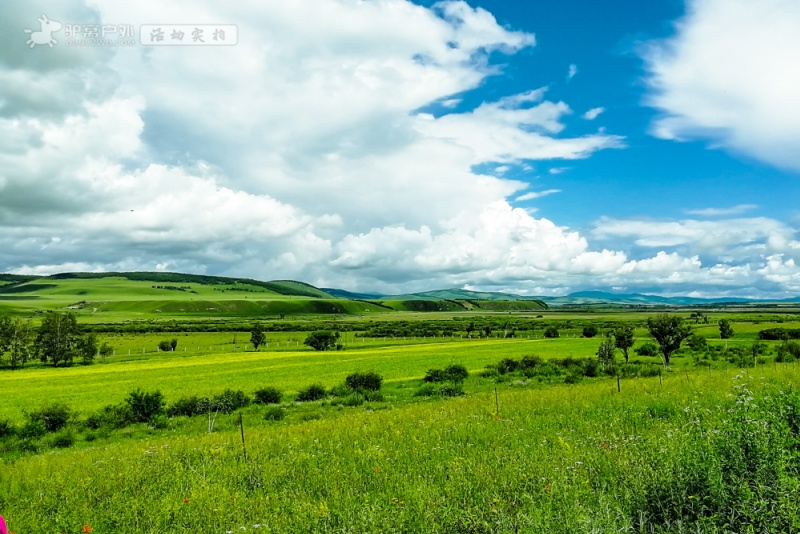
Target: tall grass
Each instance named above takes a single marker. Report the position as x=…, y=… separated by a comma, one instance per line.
x=694, y=455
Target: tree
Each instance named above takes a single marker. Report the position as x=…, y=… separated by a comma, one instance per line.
x=623, y=340
x=605, y=353
x=56, y=339
x=470, y=329
x=15, y=338
x=668, y=331
x=87, y=347
x=589, y=331
x=105, y=350
x=321, y=339
x=551, y=332
x=257, y=337
x=725, y=329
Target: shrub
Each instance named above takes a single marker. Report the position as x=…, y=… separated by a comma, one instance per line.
x=312, y=393
x=274, y=413
x=507, y=365
x=268, y=395
x=116, y=416
x=159, y=421
x=452, y=390
x=188, y=406
x=145, y=405
x=589, y=331
x=572, y=378
x=229, y=401
x=530, y=361
x=434, y=375
x=63, y=439
x=53, y=417
x=456, y=372
x=551, y=332
x=321, y=339
x=6, y=428
x=697, y=343
x=164, y=346
x=370, y=381
x=32, y=430
x=647, y=349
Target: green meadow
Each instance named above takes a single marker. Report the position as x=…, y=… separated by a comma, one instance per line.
x=707, y=445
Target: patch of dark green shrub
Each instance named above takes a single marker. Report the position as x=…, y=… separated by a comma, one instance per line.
x=313, y=392
x=268, y=395
x=274, y=413
x=53, y=417
x=145, y=405
x=369, y=381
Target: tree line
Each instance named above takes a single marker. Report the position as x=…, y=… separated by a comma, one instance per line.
x=58, y=340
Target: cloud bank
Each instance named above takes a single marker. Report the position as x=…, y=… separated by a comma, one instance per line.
x=302, y=153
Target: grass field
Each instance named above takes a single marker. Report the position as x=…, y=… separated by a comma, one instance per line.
x=655, y=457
x=705, y=447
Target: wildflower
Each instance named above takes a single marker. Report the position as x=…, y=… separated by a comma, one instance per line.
x=546, y=488
x=495, y=501
x=86, y=529
x=185, y=501
x=377, y=469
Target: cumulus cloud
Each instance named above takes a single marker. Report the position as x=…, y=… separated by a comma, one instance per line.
x=726, y=76
x=301, y=153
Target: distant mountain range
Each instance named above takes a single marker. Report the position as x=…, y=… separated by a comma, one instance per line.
x=579, y=298
x=20, y=284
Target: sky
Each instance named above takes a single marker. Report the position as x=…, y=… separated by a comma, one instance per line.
x=541, y=147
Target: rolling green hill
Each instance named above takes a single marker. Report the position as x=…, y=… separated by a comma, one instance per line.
x=102, y=297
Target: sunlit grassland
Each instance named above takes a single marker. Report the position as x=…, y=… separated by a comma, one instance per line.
x=88, y=388
x=581, y=458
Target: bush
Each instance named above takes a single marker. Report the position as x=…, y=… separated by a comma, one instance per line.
x=32, y=430
x=697, y=343
x=373, y=396
x=647, y=349
x=268, y=395
x=452, y=373
x=528, y=362
x=370, y=381
x=188, y=406
x=229, y=400
x=114, y=416
x=313, y=392
x=589, y=331
x=165, y=346
x=145, y=405
x=434, y=375
x=452, y=390
x=63, y=439
x=53, y=417
x=456, y=372
x=551, y=332
x=274, y=413
x=507, y=365
x=6, y=428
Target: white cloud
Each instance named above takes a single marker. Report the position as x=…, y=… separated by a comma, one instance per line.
x=593, y=113
x=716, y=212
x=728, y=76
x=573, y=70
x=300, y=153
x=537, y=194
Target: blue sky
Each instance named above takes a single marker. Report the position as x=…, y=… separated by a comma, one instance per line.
x=535, y=147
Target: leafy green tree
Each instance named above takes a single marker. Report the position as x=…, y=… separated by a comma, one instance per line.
x=87, y=347
x=56, y=338
x=605, y=353
x=321, y=339
x=105, y=350
x=15, y=339
x=257, y=336
x=669, y=332
x=145, y=405
x=551, y=332
x=624, y=339
x=470, y=329
x=589, y=331
x=725, y=329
